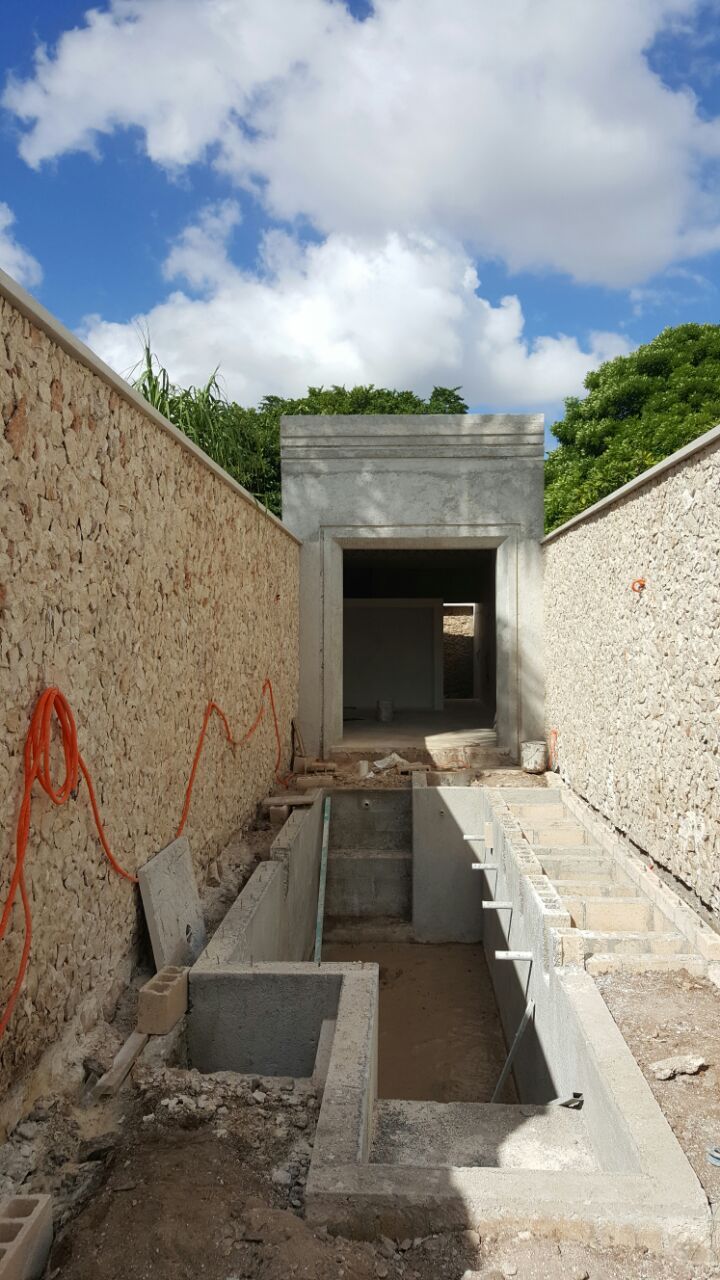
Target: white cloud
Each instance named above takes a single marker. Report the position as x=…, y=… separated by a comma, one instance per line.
x=14, y=259
x=533, y=131
x=398, y=311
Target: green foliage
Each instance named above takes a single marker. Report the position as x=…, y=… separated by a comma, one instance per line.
x=246, y=442
x=639, y=408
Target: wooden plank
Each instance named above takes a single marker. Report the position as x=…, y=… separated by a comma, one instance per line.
x=286, y=798
x=123, y=1062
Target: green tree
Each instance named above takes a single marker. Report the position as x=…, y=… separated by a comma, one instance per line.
x=246, y=442
x=639, y=408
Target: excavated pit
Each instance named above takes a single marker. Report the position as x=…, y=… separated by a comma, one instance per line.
x=444, y=935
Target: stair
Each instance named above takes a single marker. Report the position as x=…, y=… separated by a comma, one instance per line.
x=480, y=1134
x=619, y=926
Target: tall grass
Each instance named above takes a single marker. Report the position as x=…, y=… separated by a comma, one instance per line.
x=246, y=442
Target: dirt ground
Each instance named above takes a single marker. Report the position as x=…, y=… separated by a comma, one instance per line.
x=440, y=1038
x=660, y=1016
x=204, y=1177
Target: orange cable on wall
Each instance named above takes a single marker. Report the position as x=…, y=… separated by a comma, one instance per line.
x=36, y=767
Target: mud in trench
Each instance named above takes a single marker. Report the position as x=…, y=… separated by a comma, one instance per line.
x=440, y=1035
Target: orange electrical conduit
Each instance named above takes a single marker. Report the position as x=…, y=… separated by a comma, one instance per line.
x=36, y=760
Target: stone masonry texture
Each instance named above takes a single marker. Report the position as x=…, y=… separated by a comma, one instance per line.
x=143, y=585
x=633, y=679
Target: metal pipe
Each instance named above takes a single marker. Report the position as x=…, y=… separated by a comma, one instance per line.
x=529, y=1011
x=323, y=878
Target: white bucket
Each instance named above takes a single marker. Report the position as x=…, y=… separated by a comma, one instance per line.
x=534, y=757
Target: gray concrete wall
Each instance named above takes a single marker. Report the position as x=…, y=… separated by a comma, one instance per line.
x=392, y=649
x=440, y=481
x=377, y=820
x=274, y=917
x=261, y=1018
x=447, y=893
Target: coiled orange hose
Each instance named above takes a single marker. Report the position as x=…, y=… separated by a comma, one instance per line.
x=36, y=762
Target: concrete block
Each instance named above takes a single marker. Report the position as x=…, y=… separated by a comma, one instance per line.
x=279, y=814
x=313, y=781
x=172, y=905
x=163, y=1001
x=26, y=1231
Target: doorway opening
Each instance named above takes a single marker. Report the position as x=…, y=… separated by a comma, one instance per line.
x=419, y=646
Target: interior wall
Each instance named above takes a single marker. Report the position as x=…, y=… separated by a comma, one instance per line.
x=392, y=651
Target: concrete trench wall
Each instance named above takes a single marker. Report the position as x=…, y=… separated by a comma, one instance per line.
x=142, y=580
x=279, y=1016
x=644, y=1191
x=274, y=917
x=633, y=681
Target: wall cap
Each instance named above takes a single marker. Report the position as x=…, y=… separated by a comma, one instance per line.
x=705, y=441
x=38, y=315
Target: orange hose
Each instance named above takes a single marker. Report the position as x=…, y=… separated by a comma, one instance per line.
x=36, y=761
x=213, y=706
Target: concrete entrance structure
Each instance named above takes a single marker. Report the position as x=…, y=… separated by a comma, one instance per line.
x=417, y=483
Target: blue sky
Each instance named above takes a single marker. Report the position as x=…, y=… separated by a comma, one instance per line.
x=410, y=193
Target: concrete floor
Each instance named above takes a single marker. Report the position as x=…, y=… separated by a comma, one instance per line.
x=463, y=723
x=440, y=1037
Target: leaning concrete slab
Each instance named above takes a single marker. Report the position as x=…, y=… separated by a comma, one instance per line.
x=172, y=905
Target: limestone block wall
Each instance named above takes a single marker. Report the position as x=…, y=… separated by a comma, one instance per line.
x=633, y=678
x=143, y=582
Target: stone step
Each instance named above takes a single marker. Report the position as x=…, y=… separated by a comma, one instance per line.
x=613, y=962
x=529, y=795
x=581, y=888
x=577, y=866
x=362, y=882
x=556, y=833
x=480, y=1134
x=616, y=914
x=539, y=815
x=621, y=942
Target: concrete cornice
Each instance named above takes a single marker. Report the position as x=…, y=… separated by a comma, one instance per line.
x=705, y=441
x=44, y=320
x=407, y=436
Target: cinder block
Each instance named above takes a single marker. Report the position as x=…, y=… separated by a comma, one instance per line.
x=26, y=1231
x=163, y=1001
x=279, y=815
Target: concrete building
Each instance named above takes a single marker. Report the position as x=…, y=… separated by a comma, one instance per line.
x=402, y=517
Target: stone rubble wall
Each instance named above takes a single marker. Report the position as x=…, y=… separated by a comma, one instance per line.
x=633, y=679
x=143, y=584
x=458, y=641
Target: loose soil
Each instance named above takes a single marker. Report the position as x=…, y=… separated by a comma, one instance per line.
x=440, y=1038
x=661, y=1016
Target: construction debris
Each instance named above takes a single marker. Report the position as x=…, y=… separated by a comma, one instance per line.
x=682, y=1065
x=305, y=764
x=393, y=761
x=288, y=798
